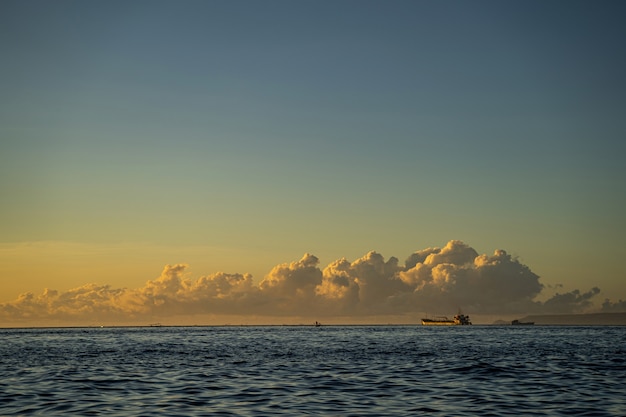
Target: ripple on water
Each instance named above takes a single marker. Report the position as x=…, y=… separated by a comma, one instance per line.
x=387, y=370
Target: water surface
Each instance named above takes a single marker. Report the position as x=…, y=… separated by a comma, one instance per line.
x=329, y=370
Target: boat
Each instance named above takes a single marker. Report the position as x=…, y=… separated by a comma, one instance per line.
x=522, y=323
x=458, y=320
x=318, y=324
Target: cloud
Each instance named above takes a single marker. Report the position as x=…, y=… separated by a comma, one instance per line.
x=613, y=307
x=455, y=252
x=362, y=287
x=436, y=280
x=571, y=302
x=292, y=286
x=457, y=276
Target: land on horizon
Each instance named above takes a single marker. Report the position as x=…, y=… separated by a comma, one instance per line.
x=589, y=319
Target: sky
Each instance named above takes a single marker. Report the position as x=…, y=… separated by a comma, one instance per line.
x=244, y=162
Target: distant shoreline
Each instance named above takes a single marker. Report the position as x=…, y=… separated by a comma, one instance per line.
x=591, y=319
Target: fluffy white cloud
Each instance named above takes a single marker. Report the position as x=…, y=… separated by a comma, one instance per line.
x=364, y=286
x=455, y=252
x=432, y=280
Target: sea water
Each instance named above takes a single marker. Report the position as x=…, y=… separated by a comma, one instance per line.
x=328, y=370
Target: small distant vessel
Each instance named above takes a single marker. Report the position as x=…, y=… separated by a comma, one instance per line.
x=318, y=324
x=522, y=323
x=458, y=320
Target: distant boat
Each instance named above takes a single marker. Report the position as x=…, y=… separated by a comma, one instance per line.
x=522, y=323
x=458, y=320
x=318, y=324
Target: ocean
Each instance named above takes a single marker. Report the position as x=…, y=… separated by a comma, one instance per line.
x=307, y=370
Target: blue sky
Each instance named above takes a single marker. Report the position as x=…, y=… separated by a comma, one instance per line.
x=276, y=128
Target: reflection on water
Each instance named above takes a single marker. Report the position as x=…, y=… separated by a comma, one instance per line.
x=354, y=370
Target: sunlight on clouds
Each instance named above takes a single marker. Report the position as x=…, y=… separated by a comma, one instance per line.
x=70, y=264
x=433, y=279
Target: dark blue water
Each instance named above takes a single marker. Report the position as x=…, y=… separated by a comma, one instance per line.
x=339, y=371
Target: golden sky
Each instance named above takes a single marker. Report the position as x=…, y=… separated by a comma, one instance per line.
x=234, y=140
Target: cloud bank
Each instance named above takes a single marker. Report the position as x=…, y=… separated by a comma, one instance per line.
x=436, y=280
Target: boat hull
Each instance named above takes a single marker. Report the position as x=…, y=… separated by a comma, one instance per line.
x=459, y=320
x=427, y=322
